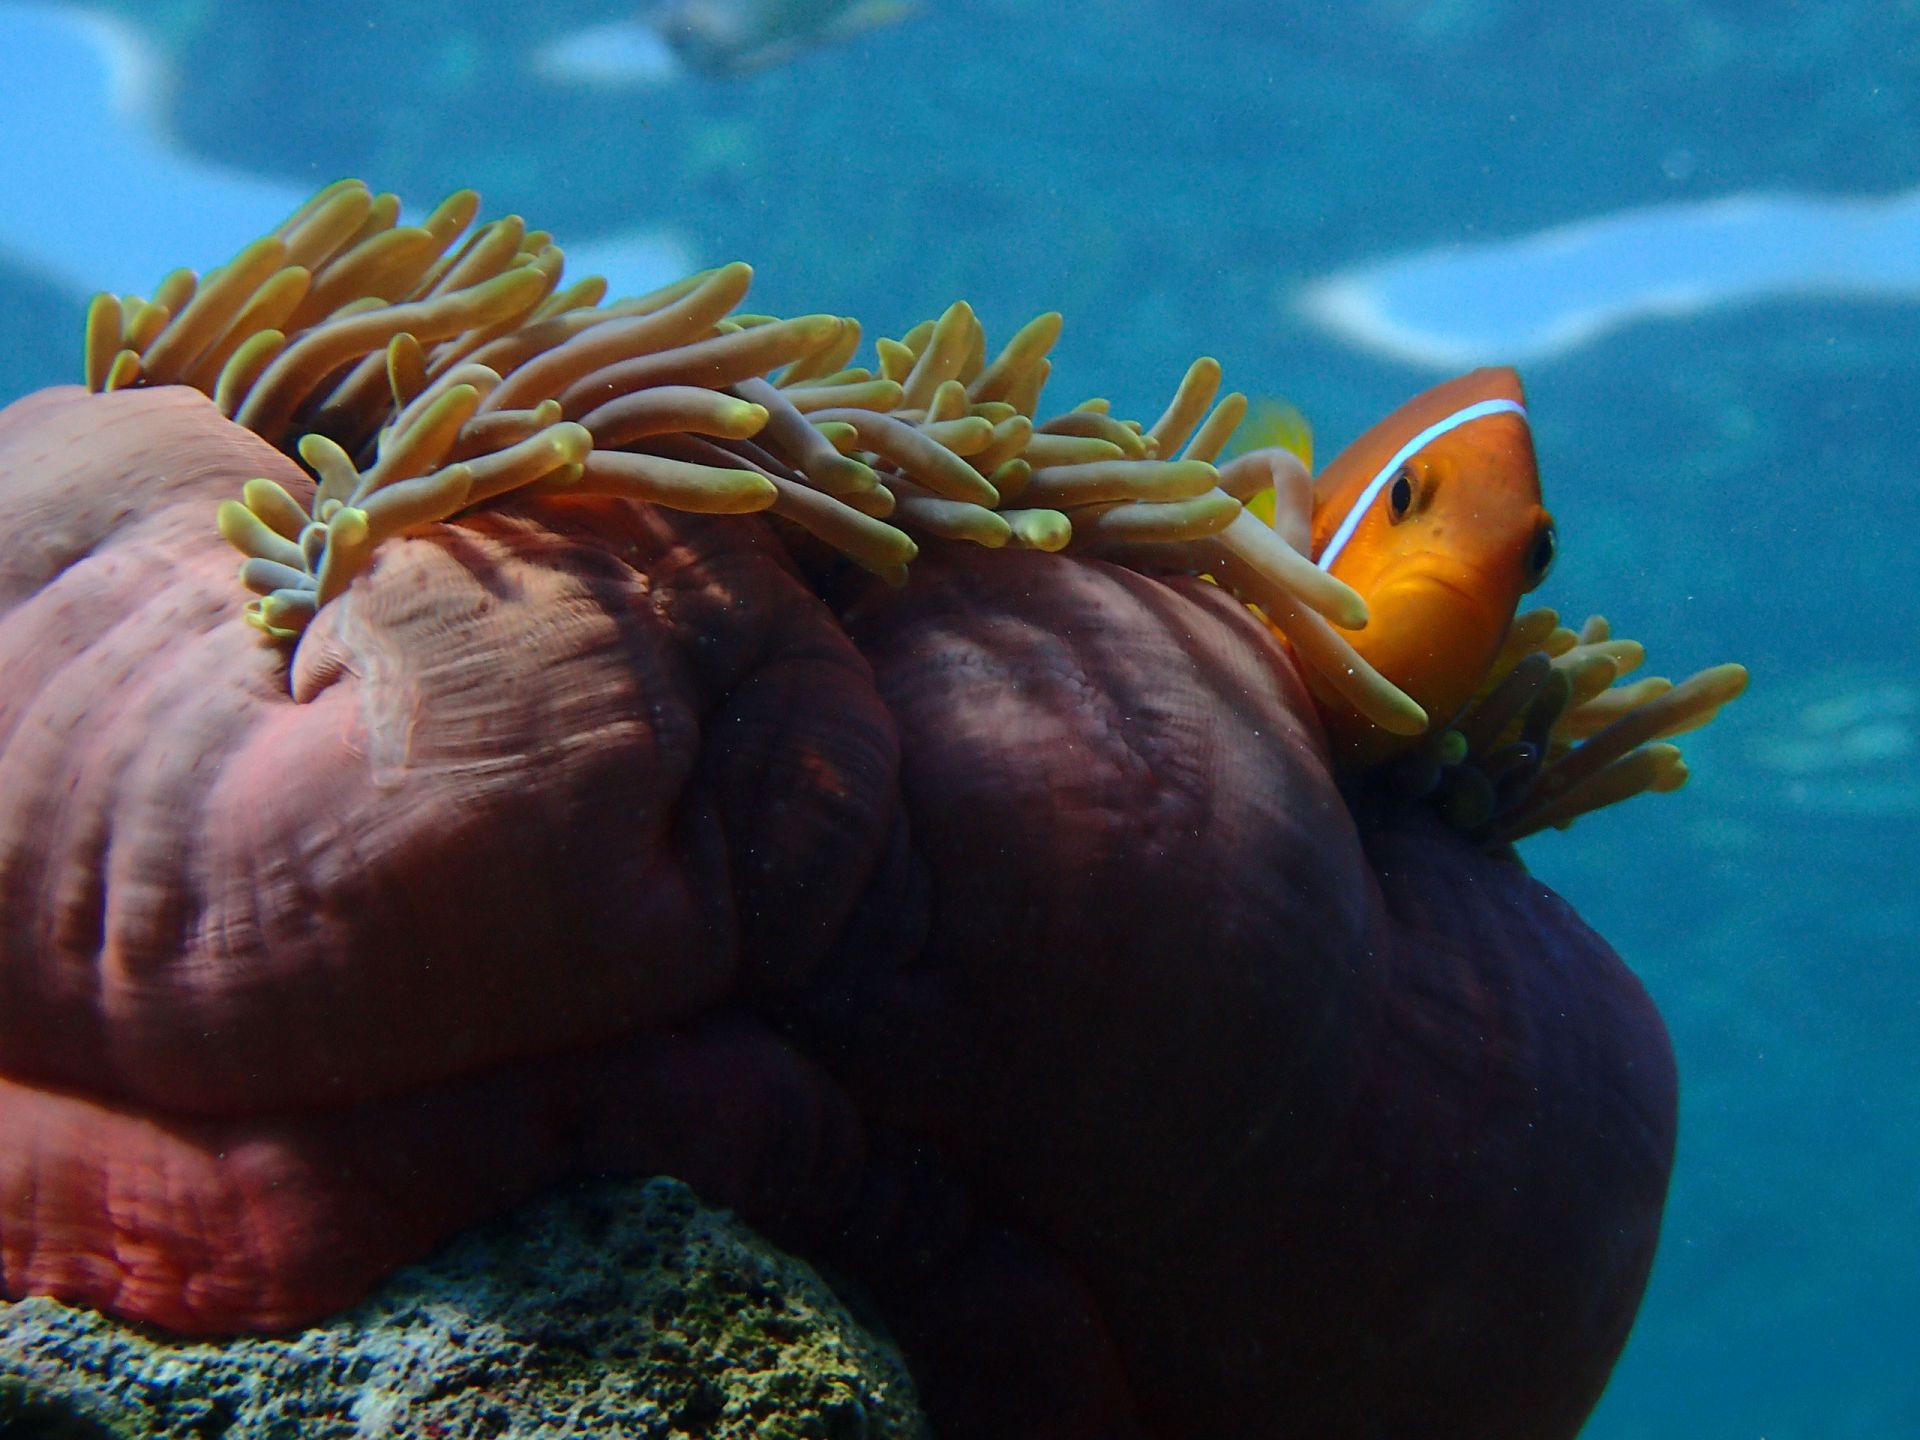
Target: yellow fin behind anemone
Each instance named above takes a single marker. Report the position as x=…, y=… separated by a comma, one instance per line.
x=1273, y=424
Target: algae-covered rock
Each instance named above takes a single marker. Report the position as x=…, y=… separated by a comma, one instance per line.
x=612, y=1309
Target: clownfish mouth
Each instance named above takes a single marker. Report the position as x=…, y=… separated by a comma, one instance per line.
x=1461, y=593
x=1437, y=599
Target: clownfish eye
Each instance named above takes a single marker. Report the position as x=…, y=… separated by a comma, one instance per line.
x=1400, y=497
x=1540, y=554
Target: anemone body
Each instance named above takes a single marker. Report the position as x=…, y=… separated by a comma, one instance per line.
x=1002, y=939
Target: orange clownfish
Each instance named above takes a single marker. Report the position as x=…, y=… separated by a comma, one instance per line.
x=1434, y=517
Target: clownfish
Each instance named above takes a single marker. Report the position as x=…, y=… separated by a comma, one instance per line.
x=1434, y=517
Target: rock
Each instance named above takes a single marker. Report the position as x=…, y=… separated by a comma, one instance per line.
x=613, y=1308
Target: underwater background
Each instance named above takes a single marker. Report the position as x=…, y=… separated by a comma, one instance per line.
x=1721, y=364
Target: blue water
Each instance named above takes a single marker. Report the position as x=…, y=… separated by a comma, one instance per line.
x=1734, y=479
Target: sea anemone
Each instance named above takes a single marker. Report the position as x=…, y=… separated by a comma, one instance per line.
x=661, y=745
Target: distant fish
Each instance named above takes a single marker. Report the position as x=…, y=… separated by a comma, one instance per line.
x=720, y=39
x=98, y=196
x=1544, y=294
